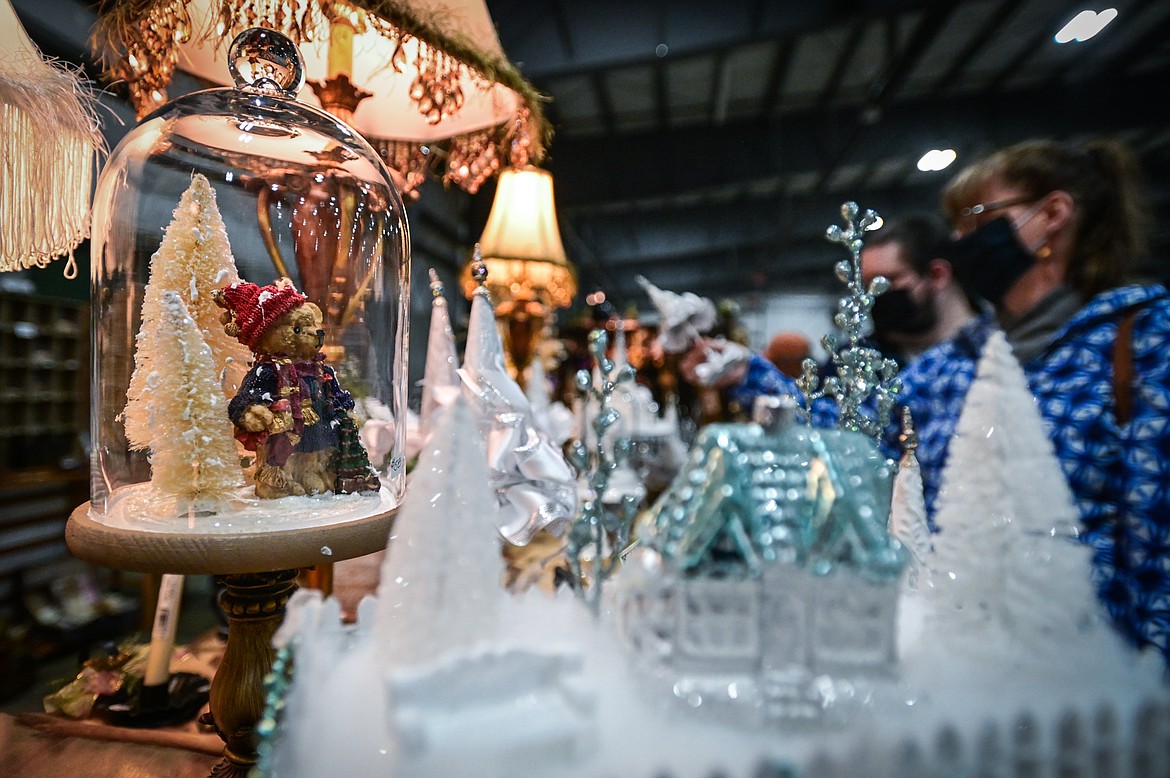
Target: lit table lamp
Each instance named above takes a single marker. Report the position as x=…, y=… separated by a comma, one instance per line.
x=529, y=274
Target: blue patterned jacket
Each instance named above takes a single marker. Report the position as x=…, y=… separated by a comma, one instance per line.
x=1119, y=475
x=763, y=379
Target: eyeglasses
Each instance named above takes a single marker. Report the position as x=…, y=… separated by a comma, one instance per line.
x=996, y=205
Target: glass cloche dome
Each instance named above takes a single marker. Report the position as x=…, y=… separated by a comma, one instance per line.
x=251, y=265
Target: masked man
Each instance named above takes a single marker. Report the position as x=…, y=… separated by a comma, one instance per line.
x=925, y=304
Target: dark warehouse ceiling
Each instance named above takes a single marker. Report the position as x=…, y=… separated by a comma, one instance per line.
x=707, y=145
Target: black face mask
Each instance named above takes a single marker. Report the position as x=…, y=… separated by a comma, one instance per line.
x=896, y=312
x=990, y=260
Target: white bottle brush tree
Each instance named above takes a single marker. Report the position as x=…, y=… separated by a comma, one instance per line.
x=440, y=587
x=193, y=261
x=1005, y=557
x=192, y=453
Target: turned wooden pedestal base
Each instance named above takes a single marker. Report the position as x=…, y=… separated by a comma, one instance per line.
x=254, y=604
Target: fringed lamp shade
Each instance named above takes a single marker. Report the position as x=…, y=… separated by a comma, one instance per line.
x=521, y=243
x=528, y=271
x=48, y=137
x=420, y=79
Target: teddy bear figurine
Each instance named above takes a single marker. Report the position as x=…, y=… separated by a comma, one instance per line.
x=290, y=409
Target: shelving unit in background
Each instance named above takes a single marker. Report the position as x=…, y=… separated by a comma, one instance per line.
x=50, y=603
x=44, y=398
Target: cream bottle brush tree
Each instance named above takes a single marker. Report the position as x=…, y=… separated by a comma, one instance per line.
x=193, y=260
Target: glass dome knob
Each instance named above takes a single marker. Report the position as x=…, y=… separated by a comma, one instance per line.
x=265, y=59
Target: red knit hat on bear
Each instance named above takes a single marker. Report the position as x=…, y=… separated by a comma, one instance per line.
x=253, y=309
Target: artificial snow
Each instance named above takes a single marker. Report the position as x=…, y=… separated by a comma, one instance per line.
x=445, y=674
x=142, y=508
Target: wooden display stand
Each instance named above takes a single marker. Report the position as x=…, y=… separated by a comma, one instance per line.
x=258, y=571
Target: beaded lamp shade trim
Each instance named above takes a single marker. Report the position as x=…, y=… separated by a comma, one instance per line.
x=138, y=41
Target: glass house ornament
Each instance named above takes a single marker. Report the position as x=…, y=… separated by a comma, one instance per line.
x=244, y=188
x=768, y=561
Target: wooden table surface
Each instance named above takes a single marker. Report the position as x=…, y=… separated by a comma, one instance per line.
x=37, y=745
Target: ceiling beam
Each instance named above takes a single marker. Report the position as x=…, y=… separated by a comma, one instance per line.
x=700, y=230
x=991, y=25
x=1026, y=51
x=661, y=96
x=1119, y=62
x=720, y=86
x=841, y=64
x=777, y=76
x=883, y=89
x=564, y=29
x=1148, y=44
x=798, y=17
x=604, y=104
x=748, y=150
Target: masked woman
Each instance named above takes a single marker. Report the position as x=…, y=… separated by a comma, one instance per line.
x=1049, y=233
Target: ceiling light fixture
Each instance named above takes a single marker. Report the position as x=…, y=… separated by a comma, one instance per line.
x=1085, y=25
x=936, y=159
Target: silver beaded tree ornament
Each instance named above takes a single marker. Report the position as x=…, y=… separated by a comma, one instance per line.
x=862, y=372
x=599, y=535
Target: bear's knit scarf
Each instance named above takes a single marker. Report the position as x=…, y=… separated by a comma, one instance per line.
x=291, y=385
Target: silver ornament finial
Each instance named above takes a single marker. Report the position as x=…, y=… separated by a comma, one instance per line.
x=479, y=269
x=909, y=436
x=479, y=272
x=436, y=284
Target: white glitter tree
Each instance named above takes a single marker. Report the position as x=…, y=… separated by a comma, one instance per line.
x=442, y=362
x=907, y=520
x=193, y=260
x=192, y=453
x=441, y=581
x=1005, y=559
